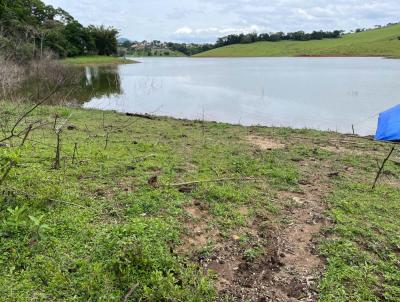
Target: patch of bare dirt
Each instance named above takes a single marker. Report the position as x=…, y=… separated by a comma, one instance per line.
x=198, y=232
x=126, y=184
x=343, y=150
x=389, y=178
x=288, y=269
x=264, y=143
x=225, y=267
x=302, y=266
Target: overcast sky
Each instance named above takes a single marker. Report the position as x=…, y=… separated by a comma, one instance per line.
x=205, y=20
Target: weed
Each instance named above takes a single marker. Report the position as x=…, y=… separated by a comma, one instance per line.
x=252, y=254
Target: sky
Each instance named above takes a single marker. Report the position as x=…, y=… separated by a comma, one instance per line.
x=206, y=20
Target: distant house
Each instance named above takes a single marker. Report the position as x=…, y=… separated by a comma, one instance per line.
x=154, y=46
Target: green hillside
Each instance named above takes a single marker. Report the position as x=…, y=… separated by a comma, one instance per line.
x=378, y=42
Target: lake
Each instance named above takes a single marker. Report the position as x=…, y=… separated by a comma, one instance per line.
x=320, y=93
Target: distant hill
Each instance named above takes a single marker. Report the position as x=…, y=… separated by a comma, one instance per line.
x=375, y=42
x=122, y=40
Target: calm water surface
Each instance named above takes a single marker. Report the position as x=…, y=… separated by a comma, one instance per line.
x=320, y=93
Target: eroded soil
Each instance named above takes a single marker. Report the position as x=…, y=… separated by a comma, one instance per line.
x=289, y=268
x=264, y=143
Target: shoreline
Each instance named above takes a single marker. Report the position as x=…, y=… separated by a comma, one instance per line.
x=92, y=61
x=147, y=116
x=299, y=56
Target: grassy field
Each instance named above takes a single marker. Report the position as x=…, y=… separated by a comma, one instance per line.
x=160, y=209
x=379, y=42
x=95, y=60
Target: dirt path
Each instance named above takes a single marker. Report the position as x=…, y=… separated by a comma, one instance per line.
x=289, y=268
x=301, y=267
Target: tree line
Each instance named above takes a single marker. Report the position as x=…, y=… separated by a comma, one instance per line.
x=279, y=36
x=194, y=48
x=30, y=29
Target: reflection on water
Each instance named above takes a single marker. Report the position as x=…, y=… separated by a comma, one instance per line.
x=99, y=82
x=79, y=84
x=319, y=93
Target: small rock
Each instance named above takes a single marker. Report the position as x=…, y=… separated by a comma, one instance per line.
x=304, y=182
x=297, y=200
x=235, y=237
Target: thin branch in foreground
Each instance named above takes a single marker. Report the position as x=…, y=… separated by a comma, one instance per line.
x=213, y=180
x=29, y=129
x=130, y=292
x=382, y=167
x=26, y=113
x=8, y=170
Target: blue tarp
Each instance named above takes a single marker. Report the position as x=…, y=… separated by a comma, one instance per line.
x=389, y=125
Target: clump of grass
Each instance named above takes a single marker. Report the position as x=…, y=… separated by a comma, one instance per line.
x=363, y=256
x=252, y=254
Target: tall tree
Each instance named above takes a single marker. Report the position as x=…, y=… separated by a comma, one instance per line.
x=105, y=39
x=29, y=27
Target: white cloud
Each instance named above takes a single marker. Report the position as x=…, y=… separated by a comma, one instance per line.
x=205, y=20
x=209, y=34
x=184, y=31
x=304, y=14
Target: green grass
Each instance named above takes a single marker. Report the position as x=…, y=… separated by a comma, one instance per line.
x=95, y=60
x=378, y=42
x=363, y=259
x=95, y=230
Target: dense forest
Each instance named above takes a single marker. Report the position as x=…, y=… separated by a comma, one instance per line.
x=30, y=29
x=276, y=37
